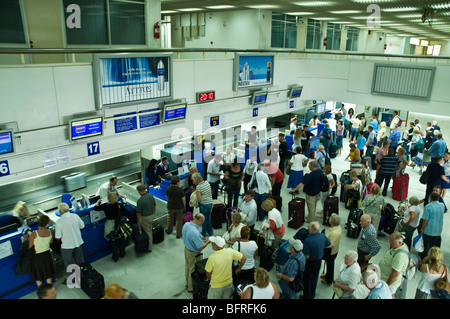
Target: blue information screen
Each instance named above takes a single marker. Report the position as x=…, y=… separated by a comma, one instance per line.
x=6, y=143
x=296, y=92
x=260, y=98
x=86, y=128
x=174, y=112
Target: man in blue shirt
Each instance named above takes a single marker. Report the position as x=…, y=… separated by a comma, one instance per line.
x=438, y=147
x=193, y=246
x=311, y=183
x=432, y=223
x=370, y=141
x=313, y=250
x=295, y=263
x=394, y=138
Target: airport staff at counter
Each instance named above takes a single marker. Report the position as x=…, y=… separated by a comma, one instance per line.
x=108, y=187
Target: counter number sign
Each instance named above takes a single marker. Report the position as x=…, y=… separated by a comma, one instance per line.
x=4, y=168
x=93, y=148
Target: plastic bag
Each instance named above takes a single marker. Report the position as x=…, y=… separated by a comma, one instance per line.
x=418, y=243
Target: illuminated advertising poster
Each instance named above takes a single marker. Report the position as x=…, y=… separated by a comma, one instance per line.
x=120, y=80
x=253, y=71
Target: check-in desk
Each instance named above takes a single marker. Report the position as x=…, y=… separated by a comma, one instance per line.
x=313, y=143
x=95, y=246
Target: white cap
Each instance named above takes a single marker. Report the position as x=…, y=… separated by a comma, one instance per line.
x=296, y=243
x=219, y=241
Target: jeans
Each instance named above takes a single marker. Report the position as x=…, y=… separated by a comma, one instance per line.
x=214, y=189
x=369, y=150
x=259, y=198
x=233, y=198
x=386, y=178
x=206, y=209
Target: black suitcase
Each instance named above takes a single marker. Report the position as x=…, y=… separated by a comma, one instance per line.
x=330, y=206
x=302, y=234
x=334, y=189
x=266, y=257
x=140, y=240
x=158, y=234
x=353, y=225
x=296, y=211
x=344, y=180
x=199, y=284
x=390, y=220
x=332, y=150
x=278, y=201
x=92, y=282
x=218, y=215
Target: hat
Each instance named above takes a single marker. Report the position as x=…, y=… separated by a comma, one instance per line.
x=440, y=294
x=219, y=241
x=296, y=243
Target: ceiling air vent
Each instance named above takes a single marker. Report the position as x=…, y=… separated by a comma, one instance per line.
x=414, y=82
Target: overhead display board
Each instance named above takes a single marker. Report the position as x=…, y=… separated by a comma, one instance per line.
x=123, y=79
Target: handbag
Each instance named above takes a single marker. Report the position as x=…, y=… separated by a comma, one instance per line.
x=424, y=178
x=418, y=243
x=337, y=291
x=288, y=170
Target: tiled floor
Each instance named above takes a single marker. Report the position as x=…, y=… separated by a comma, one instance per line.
x=160, y=274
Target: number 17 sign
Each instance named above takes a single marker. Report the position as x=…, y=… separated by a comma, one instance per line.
x=93, y=148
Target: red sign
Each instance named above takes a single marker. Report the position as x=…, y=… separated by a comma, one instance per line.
x=206, y=96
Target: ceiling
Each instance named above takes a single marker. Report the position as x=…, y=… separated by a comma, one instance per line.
x=424, y=19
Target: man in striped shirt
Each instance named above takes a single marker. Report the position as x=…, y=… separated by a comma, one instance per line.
x=385, y=169
x=368, y=245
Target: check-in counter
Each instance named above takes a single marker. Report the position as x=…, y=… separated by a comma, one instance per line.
x=95, y=246
x=313, y=143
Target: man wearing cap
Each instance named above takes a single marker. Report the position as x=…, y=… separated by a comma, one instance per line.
x=193, y=246
x=219, y=269
x=294, y=265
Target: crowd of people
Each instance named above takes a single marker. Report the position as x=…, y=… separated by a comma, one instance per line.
x=374, y=146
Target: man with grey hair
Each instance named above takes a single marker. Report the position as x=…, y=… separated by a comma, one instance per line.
x=394, y=138
x=368, y=245
x=145, y=212
x=68, y=230
x=349, y=275
x=394, y=264
x=313, y=249
x=438, y=147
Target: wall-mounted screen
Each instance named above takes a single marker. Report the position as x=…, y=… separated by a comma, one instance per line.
x=174, y=112
x=320, y=108
x=259, y=98
x=85, y=128
x=253, y=71
x=6, y=142
x=123, y=79
x=295, y=92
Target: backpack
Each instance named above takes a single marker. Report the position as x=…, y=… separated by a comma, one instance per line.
x=327, y=134
x=324, y=183
x=413, y=265
x=297, y=283
x=325, y=160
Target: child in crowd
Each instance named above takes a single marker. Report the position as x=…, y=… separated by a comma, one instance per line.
x=353, y=151
x=361, y=141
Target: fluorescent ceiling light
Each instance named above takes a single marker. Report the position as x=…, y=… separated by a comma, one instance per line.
x=372, y=1
x=441, y=6
x=345, y=11
x=299, y=13
x=402, y=9
x=410, y=16
x=325, y=19
x=263, y=6
x=314, y=3
x=225, y=6
x=390, y=24
x=190, y=9
x=343, y=22
x=168, y=11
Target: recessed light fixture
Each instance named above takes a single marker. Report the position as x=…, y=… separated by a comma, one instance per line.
x=373, y=1
x=410, y=16
x=441, y=6
x=225, y=6
x=325, y=19
x=345, y=12
x=263, y=6
x=190, y=9
x=314, y=3
x=401, y=9
x=299, y=13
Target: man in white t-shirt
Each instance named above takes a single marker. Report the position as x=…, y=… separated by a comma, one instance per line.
x=249, y=208
x=332, y=122
x=108, y=187
x=395, y=120
x=67, y=229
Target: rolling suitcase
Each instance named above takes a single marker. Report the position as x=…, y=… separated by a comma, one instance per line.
x=266, y=257
x=296, y=211
x=353, y=225
x=187, y=217
x=345, y=179
x=92, y=282
x=282, y=253
x=218, y=215
x=140, y=240
x=334, y=189
x=330, y=206
x=400, y=187
x=158, y=234
x=333, y=150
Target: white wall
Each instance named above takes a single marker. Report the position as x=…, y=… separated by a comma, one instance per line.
x=41, y=100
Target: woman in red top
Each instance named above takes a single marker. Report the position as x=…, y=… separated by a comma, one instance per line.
x=276, y=221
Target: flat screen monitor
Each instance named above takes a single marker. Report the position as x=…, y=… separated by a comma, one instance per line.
x=253, y=71
x=85, y=128
x=174, y=112
x=6, y=142
x=295, y=92
x=259, y=98
x=320, y=108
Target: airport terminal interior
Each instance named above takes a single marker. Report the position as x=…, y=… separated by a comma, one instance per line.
x=94, y=89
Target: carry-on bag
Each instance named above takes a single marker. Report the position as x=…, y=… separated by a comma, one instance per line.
x=353, y=225
x=140, y=240
x=296, y=211
x=400, y=187
x=92, y=282
x=330, y=206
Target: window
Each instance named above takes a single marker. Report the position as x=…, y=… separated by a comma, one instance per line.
x=352, y=39
x=313, y=34
x=333, y=36
x=11, y=25
x=284, y=31
x=126, y=23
